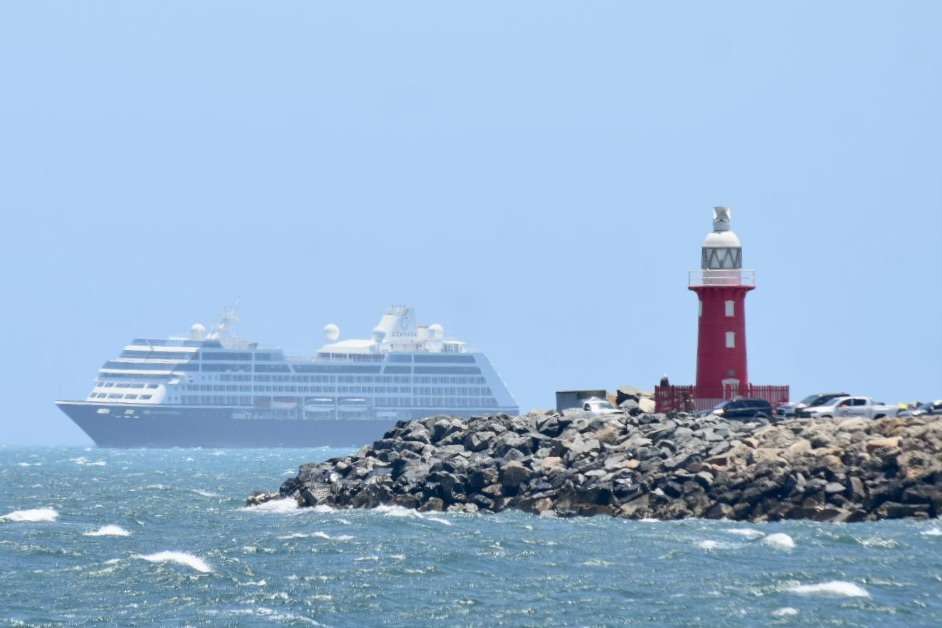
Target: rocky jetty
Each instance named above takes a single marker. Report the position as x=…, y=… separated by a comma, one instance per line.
x=638, y=465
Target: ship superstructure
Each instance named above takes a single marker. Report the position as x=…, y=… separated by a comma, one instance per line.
x=213, y=389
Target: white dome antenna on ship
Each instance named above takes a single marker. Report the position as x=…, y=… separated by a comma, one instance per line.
x=198, y=331
x=331, y=332
x=436, y=331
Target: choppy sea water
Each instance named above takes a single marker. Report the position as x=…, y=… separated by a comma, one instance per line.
x=148, y=537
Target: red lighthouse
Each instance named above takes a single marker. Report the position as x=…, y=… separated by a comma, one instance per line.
x=721, y=285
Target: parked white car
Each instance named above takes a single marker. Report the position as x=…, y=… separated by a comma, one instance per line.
x=598, y=406
x=849, y=406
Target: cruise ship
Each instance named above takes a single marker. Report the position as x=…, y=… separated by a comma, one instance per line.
x=212, y=389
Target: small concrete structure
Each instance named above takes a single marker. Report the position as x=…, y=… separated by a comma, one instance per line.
x=569, y=399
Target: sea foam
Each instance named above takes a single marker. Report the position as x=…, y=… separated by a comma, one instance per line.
x=327, y=537
x=276, y=506
x=748, y=533
x=179, y=558
x=836, y=588
x=108, y=530
x=932, y=532
x=779, y=540
x=398, y=511
x=34, y=515
x=82, y=461
x=786, y=611
x=408, y=513
x=711, y=545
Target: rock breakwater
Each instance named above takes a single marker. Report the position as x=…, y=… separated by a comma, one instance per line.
x=640, y=465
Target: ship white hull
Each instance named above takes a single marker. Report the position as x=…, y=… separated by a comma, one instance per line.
x=184, y=426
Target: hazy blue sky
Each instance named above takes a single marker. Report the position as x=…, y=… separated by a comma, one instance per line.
x=536, y=176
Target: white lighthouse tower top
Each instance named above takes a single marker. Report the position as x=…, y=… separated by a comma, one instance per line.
x=721, y=256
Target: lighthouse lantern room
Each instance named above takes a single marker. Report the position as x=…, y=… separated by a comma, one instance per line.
x=721, y=285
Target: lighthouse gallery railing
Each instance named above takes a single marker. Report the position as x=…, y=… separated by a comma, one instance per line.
x=724, y=277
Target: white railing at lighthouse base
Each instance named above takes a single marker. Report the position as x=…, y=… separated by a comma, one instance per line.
x=724, y=277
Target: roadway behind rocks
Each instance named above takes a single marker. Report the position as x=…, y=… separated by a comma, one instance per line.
x=646, y=465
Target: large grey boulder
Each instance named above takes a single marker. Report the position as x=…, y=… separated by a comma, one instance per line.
x=513, y=474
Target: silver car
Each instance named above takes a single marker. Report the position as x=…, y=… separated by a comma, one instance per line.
x=788, y=410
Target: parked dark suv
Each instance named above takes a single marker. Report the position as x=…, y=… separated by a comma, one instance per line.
x=744, y=409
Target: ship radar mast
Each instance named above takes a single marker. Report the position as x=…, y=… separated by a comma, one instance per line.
x=227, y=322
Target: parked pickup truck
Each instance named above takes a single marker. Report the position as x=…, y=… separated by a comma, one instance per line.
x=849, y=406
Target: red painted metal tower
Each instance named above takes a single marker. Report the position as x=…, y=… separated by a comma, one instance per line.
x=721, y=285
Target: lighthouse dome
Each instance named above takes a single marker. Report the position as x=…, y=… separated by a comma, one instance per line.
x=722, y=240
x=722, y=249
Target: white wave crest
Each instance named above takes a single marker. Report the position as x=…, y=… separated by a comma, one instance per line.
x=85, y=462
x=877, y=542
x=315, y=535
x=748, y=533
x=34, y=515
x=179, y=558
x=108, y=530
x=408, y=513
x=711, y=545
x=203, y=493
x=397, y=511
x=836, y=588
x=327, y=537
x=786, y=611
x=274, y=616
x=323, y=508
x=29, y=464
x=276, y=506
x=932, y=532
x=780, y=540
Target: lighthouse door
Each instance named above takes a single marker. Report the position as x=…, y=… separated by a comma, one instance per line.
x=730, y=388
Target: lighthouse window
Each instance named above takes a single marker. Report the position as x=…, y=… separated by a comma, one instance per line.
x=730, y=340
x=730, y=309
